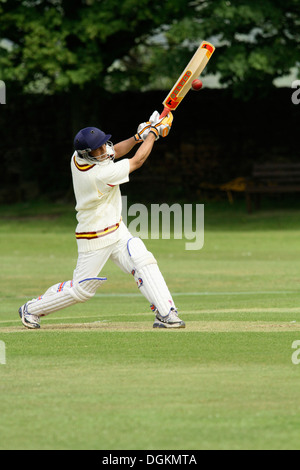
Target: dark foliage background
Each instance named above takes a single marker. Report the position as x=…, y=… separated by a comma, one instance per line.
x=215, y=138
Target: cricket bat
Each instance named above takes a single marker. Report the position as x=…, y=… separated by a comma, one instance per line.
x=194, y=68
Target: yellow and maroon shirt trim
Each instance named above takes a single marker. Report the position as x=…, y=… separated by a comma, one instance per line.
x=98, y=234
x=84, y=167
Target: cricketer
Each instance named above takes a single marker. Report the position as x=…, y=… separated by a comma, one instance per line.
x=101, y=234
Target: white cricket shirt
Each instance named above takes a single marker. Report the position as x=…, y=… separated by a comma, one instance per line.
x=98, y=201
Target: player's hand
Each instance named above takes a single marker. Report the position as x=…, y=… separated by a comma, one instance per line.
x=154, y=118
x=163, y=126
x=144, y=128
x=142, y=131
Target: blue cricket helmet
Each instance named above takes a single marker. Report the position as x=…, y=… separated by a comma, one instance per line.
x=90, y=138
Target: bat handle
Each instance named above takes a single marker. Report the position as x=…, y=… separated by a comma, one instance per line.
x=164, y=113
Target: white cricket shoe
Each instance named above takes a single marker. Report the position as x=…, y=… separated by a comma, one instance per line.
x=29, y=320
x=171, y=320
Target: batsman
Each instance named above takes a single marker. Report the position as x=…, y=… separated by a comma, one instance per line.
x=97, y=173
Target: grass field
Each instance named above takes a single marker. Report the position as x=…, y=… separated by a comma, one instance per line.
x=97, y=376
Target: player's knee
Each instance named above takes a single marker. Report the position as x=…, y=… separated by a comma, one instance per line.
x=139, y=254
x=85, y=289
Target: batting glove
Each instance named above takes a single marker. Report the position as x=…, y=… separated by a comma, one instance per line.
x=154, y=118
x=145, y=127
x=163, y=126
x=142, y=131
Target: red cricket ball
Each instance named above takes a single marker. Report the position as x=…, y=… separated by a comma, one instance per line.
x=197, y=84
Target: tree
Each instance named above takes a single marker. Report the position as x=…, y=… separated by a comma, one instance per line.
x=256, y=41
x=53, y=45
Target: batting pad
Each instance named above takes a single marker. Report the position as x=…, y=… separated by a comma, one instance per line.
x=148, y=277
x=64, y=295
x=154, y=288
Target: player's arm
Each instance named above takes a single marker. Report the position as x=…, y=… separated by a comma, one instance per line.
x=124, y=147
x=143, y=152
x=156, y=129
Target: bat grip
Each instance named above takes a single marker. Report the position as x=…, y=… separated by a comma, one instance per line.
x=164, y=113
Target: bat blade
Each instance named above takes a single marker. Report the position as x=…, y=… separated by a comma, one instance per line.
x=194, y=68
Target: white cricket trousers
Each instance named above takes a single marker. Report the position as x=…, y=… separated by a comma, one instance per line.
x=131, y=255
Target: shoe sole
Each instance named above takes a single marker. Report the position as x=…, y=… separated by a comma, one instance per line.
x=27, y=324
x=168, y=325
